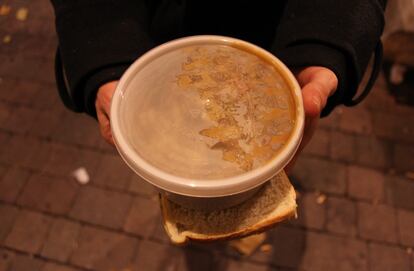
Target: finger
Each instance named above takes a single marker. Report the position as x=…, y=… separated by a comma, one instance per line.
x=314, y=98
x=321, y=74
x=104, y=96
x=318, y=84
x=104, y=126
x=104, y=103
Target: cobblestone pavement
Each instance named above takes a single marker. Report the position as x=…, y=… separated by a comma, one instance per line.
x=355, y=181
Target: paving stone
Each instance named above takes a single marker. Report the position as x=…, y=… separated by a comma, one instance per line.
x=403, y=157
x=19, y=120
x=63, y=160
x=13, y=47
x=373, y=152
x=104, y=250
x=343, y=147
x=394, y=126
x=288, y=246
x=357, y=120
x=106, y=147
x=377, y=222
x=26, y=263
x=3, y=171
x=327, y=252
x=6, y=259
x=101, y=207
x=46, y=72
x=7, y=84
x=5, y=60
x=14, y=26
x=320, y=143
x=310, y=213
x=385, y=258
x=46, y=122
x=29, y=232
x=25, y=151
x=49, y=194
x=48, y=97
x=155, y=256
x=197, y=260
x=321, y=175
x=77, y=129
x=245, y=266
x=365, y=183
x=159, y=233
x=140, y=186
x=45, y=11
x=282, y=269
x=15, y=149
x=113, y=172
x=57, y=267
x=341, y=216
x=37, y=154
x=12, y=183
x=142, y=217
x=403, y=109
x=399, y=192
x=8, y=215
x=381, y=100
x=39, y=135
x=46, y=47
x=405, y=227
x=6, y=111
x=17, y=67
x=333, y=120
x=62, y=240
x=4, y=138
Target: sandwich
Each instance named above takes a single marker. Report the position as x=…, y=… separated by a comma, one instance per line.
x=273, y=203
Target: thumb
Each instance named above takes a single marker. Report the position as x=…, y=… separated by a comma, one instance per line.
x=314, y=99
x=316, y=92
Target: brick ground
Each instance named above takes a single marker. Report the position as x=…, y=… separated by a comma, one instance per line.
x=377, y=222
x=12, y=183
x=355, y=206
x=310, y=214
x=101, y=207
x=365, y=183
x=384, y=258
x=62, y=240
x=142, y=217
x=48, y=194
x=103, y=250
x=29, y=232
x=341, y=216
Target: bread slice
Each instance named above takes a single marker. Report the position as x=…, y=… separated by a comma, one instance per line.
x=274, y=202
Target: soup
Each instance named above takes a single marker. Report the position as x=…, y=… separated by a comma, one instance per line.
x=210, y=111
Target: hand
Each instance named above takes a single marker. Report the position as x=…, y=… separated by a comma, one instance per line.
x=317, y=83
x=103, y=106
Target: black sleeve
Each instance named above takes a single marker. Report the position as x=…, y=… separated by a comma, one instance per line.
x=98, y=40
x=340, y=35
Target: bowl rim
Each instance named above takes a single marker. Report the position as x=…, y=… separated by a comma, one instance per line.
x=204, y=187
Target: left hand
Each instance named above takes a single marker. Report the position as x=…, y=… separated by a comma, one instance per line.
x=317, y=83
x=103, y=106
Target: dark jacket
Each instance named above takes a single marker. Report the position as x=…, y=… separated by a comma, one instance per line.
x=99, y=39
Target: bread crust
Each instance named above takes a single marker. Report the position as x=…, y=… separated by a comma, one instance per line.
x=186, y=236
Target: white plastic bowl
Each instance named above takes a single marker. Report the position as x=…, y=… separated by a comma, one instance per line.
x=200, y=188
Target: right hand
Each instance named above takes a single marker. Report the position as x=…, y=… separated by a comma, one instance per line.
x=317, y=83
x=103, y=106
